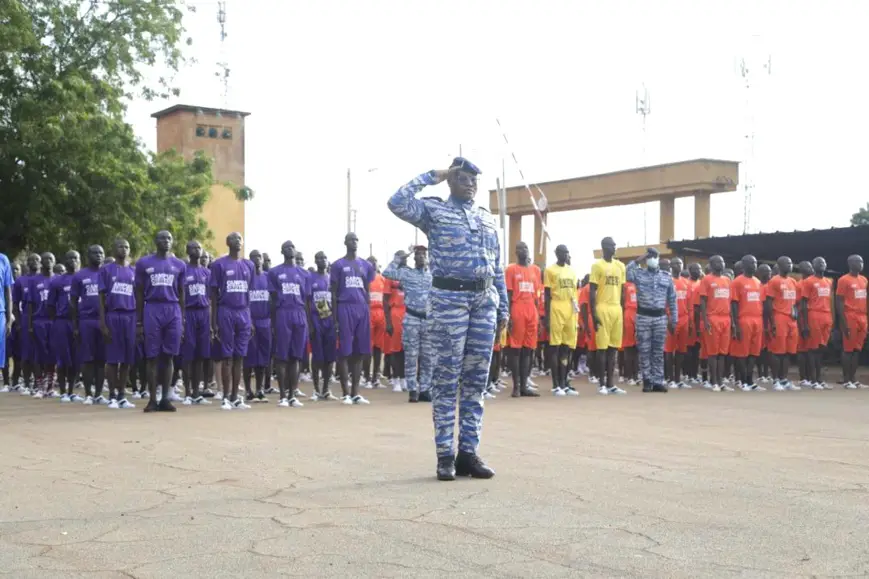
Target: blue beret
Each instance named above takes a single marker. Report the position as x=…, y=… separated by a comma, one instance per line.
x=465, y=165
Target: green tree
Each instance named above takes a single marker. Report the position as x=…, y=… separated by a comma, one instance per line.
x=71, y=170
x=861, y=217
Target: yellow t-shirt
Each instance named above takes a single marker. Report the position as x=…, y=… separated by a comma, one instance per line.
x=609, y=277
x=561, y=281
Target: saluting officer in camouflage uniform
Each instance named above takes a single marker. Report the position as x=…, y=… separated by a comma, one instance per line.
x=655, y=294
x=416, y=284
x=468, y=300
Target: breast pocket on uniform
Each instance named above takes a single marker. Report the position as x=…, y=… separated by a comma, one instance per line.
x=451, y=229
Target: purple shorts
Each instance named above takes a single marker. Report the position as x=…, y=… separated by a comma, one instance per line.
x=62, y=343
x=42, y=353
x=121, y=349
x=91, y=347
x=259, y=348
x=197, y=334
x=354, y=324
x=291, y=334
x=162, y=329
x=324, y=345
x=233, y=328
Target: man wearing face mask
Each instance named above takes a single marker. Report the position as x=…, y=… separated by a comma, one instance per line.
x=655, y=293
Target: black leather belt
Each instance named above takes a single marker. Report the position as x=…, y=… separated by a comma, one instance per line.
x=461, y=285
x=651, y=313
x=414, y=313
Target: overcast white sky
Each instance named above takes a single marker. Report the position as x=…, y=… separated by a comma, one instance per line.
x=398, y=85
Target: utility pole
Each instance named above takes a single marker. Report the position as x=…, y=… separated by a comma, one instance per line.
x=748, y=73
x=223, y=64
x=349, y=206
x=644, y=108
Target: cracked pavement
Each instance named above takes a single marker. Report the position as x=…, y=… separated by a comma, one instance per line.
x=688, y=484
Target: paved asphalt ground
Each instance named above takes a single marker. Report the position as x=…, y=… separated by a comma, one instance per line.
x=683, y=484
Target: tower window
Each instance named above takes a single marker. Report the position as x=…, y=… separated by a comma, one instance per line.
x=200, y=130
x=227, y=133
x=212, y=132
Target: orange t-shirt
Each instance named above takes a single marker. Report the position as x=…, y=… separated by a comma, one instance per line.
x=783, y=291
x=524, y=282
x=852, y=288
x=584, y=299
x=818, y=291
x=393, y=292
x=376, y=291
x=630, y=296
x=717, y=291
x=683, y=299
x=749, y=293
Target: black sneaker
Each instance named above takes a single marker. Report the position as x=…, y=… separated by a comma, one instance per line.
x=261, y=396
x=166, y=406
x=446, y=468
x=413, y=396
x=425, y=396
x=471, y=465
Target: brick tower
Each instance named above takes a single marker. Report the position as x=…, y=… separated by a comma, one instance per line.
x=220, y=134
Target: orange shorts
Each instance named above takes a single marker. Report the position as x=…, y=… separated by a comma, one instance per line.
x=752, y=338
x=392, y=344
x=378, y=328
x=787, y=335
x=590, y=338
x=858, y=328
x=677, y=341
x=820, y=327
x=525, y=321
x=717, y=342
x=581, y=338
x=629, y=334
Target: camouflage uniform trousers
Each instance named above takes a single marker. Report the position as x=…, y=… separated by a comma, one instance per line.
x=461, y=337
x=651, y=334
x=414, y=340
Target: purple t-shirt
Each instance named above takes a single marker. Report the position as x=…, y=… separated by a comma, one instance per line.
x=350, y=278
x=86, y=289
x=59, y=294
x=40, y=287
x=196, y=280
x=259, y=296
x=20, y=291
x=290, y=285
x=232, y=278
x=160, y=278
x=117, y=282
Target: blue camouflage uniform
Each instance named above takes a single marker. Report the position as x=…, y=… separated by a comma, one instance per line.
x=463, y=245
x=655, y=293
x=416, y=284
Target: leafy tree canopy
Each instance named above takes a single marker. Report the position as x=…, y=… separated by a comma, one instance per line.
x=72, y=172
x=861, y=217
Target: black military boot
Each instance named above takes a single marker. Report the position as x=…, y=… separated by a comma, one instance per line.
x=660, y=388
x=413, y=396
x=425, y=396
x=446, y=468
x=468, y=464
x=647, y=385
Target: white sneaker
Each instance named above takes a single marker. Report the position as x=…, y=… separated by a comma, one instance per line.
x=616, y=390
x=299, y=394
x=201, y=401
x=603, y=391
x=218, y=395
x=570, y=391
x=593, y=379
x=849, y=386
x=368, y=385
x=792, y=386
x=861, y=386
x=530, y=384
x=716, y=388
x=359, y=400
x=76, y=398
x=726, y=388
x=826, y=386
x=328, y=396
x=284, y=403
x=52, y=394
x=403, y=384
x=240, y=404
x=188, y=401
x=124, y=404
x=346, y=400
x=805, y=383
x=113, y=405
x=144, y=394
x=396, y=387
x=137, y=396
x=64, y=399
x=672, y=386
x=227, y=405
x=4, y=390
x=779, y=387
x=101, y=400
x=488, y=395
x=39, y=395
x=88, y=401
x=817, y=386
x=685, y=386
x=173, y=397
x=294, y=403
x=559, y=392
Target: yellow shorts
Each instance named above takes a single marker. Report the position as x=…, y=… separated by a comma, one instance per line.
x=609, y=334
x=562, y=324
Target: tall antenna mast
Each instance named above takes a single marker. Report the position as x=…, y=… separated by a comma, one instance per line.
x=644, y=108
x=223, y=64
x=749, y=74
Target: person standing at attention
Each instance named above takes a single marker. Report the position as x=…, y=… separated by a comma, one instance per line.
x=605, y=302
x=851, y=306
x=559, y=292
x=468, y=303
x=656, y=297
